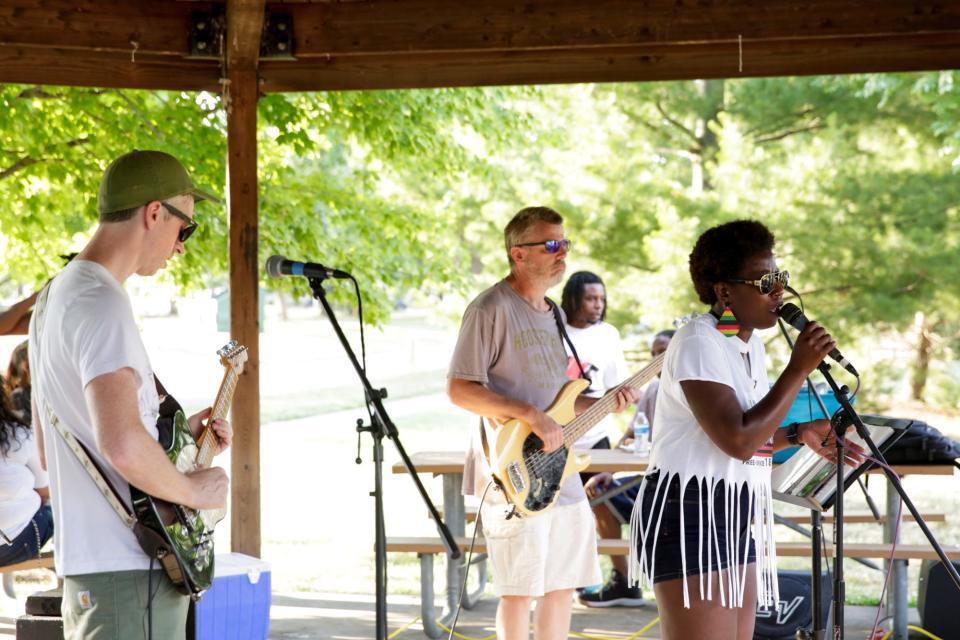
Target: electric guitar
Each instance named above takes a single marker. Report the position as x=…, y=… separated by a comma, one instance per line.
x=179, y=537
x=530, y=478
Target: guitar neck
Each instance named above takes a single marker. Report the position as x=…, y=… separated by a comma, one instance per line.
x=208, y=443
x=605, y=405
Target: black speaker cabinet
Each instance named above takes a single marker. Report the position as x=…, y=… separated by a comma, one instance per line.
x=796, y=606
x=938, y=600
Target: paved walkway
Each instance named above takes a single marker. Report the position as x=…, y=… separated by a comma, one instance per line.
x=348, y=617
x=339, y=616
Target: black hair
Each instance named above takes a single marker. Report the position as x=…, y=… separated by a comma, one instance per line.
x=666, y=333
x=722, y=251
x=573, y=293
x=9, y=423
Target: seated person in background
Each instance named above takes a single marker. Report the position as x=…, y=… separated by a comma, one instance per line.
x=16, y=319
x=18, y=383
x=25, y=520
x=647, y=405
x=598, y=346
x=616, y=512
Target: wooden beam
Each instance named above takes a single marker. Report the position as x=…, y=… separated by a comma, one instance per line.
x=421, y=26
x=244, y=30
x=241, y=102
x=620, y=64
x=33, y=65
x=99, y=25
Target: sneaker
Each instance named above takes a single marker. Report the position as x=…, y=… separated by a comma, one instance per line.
x=615, y=593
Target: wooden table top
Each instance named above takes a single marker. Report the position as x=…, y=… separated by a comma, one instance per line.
x=612, y=460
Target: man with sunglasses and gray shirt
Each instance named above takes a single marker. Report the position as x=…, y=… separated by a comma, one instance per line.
x=510, y=363
x=91, y=374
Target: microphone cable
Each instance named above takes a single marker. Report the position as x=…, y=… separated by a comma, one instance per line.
x=466, y=564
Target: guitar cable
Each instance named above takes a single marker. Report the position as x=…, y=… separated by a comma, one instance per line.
x=151, y=594
x=466, y=564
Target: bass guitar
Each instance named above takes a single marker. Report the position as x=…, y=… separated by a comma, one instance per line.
x=530, y=478
x=179, y=537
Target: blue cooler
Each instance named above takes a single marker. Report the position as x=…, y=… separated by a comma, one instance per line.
x=237, y=605
x=805, y=409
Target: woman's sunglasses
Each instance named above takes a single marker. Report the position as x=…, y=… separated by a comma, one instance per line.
x=186, y=230
x=768, y=281
x=551, y=246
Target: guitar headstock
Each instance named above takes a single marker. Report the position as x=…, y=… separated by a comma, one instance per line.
x=233, y=355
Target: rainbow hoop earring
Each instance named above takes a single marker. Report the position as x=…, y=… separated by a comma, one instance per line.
x=728, y=324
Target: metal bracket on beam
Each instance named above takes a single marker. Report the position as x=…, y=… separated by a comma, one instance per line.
x=207, y=30
x=276, y=43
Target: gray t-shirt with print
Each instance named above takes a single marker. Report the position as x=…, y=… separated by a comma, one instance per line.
x=516, y=351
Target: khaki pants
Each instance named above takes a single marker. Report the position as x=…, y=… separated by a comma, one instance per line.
x=113, y=606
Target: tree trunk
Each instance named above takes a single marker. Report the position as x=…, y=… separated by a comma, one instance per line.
x=921, y=366
x=712, y=104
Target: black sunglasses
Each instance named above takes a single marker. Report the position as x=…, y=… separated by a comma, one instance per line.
x=186, y=230
x=551, y=246
x=768, y=281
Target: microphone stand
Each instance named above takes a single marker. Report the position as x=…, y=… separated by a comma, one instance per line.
x=817, y=627
x=381, y=425
x=846, y=408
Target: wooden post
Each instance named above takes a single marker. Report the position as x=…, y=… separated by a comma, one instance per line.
x=244, y=308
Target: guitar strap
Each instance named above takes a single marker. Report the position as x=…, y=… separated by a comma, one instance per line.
x=79, y=450
x=563, y=338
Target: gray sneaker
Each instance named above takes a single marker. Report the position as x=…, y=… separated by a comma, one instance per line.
x=615, y=593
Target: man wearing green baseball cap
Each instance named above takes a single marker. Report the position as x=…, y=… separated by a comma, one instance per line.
x=93, y=382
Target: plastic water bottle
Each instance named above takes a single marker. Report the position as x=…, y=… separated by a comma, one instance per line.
x=641, y=433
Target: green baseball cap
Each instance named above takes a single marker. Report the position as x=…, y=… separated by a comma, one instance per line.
x=139, y=177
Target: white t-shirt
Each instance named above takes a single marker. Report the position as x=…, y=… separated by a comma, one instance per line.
x=20, y=475
x=682, y=448
x=601, y=354
x=88, y=331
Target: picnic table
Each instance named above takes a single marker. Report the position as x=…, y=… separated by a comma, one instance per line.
x=449, y=465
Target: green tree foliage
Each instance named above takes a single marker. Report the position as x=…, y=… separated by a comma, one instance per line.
x=339, y=176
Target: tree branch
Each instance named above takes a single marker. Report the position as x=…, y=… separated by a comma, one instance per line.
x=676, y=123
x=28, y=161
x=789, y=132
x=142, y=116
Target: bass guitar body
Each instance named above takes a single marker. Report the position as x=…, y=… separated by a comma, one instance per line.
x=531, y=478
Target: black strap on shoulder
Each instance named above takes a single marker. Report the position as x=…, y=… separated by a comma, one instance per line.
x=565, y=337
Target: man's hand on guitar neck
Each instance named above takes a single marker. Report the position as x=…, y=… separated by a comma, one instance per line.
x=625, y=397
x=222, y=428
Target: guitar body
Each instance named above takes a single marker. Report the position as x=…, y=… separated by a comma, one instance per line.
x=530, y=478
x=181, y=537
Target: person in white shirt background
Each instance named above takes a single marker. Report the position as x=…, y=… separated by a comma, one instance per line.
x=601, y=355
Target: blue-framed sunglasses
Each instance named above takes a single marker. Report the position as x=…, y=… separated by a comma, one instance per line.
x=551, y=246
x=768, y=281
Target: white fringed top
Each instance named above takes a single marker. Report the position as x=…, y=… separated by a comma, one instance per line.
x=683, y=449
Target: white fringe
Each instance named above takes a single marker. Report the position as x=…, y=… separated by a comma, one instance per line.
x=641, y=567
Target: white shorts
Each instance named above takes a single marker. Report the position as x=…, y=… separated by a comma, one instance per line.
x=531, y=556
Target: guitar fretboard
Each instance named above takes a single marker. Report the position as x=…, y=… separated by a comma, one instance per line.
x=221, y=406
x=602, y=407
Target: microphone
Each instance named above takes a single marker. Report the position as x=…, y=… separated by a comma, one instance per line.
x=278, y=266
x=792, y=315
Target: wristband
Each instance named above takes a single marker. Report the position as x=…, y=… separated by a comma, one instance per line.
x=793, y=436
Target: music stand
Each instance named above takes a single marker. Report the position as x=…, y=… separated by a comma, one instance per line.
x=844, y=417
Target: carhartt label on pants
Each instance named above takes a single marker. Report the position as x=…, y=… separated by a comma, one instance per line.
x=84, y=600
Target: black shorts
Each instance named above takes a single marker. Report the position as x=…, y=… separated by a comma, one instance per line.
x=664, y=558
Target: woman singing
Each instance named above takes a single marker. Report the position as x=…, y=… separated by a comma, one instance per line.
x=702, y=527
